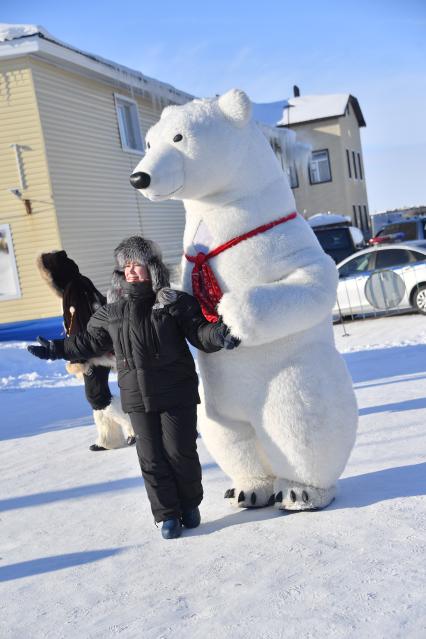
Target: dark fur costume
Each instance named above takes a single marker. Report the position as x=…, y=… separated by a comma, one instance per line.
x=80, y=297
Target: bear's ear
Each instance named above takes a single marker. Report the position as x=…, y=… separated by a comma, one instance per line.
x=236, y=107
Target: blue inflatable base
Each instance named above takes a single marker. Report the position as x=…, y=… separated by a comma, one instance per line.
x=50, y=327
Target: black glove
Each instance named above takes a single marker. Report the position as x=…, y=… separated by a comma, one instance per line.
x=223, y=338
x=47, y=350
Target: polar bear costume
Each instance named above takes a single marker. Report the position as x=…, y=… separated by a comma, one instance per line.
x=279, y=414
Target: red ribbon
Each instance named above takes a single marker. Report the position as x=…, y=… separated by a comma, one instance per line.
x=204, y=284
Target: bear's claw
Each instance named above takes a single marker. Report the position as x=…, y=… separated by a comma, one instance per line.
x=251, y=494
x=294, y=496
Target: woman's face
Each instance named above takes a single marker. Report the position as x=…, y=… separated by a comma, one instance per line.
x=135, y=272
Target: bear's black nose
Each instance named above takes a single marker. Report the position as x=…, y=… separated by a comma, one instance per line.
x=140, y=180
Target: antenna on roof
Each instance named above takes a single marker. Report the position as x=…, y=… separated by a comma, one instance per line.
x=296, y=91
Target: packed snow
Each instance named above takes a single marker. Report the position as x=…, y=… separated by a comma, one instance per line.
x=9, y=32
x=313, y=107
x=322, y=219
x=14, y=31
x=81, y=556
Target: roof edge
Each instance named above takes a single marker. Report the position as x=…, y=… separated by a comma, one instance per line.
x=44, y=47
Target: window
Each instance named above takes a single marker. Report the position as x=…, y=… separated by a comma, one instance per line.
x=128, y=124
x=392, y=257
x=366, y=217
x=331, y=239
x=417, y=257
x=354, y=163
x=357, y=222
x=407, y=230
x=319, y=167
x=357, y=266
x=348, y=158
x=9, y=282
x=359, y=166
x=293, y=177
x=363, y=217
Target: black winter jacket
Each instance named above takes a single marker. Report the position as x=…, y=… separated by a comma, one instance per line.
x=155, y=367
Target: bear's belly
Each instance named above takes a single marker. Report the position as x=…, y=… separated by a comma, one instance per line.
x=236, y=382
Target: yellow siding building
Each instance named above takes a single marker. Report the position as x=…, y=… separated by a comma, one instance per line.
x=71, y=132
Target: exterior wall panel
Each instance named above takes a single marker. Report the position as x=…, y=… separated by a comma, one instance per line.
x=339, y=195
x=38, y=232
x=96, y=205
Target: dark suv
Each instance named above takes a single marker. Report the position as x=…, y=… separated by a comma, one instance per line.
x=339, y=240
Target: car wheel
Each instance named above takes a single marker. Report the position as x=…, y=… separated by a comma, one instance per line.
x=419, y=299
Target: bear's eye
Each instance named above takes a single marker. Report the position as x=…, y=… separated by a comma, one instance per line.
x=148, y=146
x=178, y=138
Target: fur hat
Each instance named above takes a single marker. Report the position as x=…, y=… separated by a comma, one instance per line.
x=57, y=269
x=138, y=249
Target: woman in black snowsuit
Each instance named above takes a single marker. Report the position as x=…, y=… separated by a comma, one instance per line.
x=147, y=328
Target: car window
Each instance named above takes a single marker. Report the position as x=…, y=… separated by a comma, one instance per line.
x=356, y=266
x=409, y=230
x=417, y=257
x=392, y=257
x=334, y=238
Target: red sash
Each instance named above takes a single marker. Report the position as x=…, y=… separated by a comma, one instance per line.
x=204, y=284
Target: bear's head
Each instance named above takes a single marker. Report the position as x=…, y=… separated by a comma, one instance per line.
x=203, y=148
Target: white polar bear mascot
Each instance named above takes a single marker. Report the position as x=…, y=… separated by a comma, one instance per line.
x=280, y=415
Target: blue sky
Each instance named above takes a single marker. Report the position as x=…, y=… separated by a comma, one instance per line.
x=374, y=49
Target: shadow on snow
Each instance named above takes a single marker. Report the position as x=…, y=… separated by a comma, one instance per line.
x=381, y=363
x=88, y=490
x=53, y=563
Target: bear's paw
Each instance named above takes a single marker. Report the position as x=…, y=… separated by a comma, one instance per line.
x=251, y=494
x=290, y=495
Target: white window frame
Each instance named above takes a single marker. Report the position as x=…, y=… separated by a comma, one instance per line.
x=314, y=169
x=134, y=113
x=5, y=228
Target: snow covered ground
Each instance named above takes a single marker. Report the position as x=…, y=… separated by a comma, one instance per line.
x=81, y=557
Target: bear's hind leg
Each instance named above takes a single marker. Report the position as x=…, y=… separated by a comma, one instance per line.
x=234, y=446
x=290, y=495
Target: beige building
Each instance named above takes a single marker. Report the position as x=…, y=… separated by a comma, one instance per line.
x=71, y=132
x=335, y=178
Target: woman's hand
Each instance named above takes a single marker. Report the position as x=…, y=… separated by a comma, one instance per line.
x=222, y=335
x=47, y=350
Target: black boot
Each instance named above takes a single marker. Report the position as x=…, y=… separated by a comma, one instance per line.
x=191, y=518
x=171, y=528
x=96, y=447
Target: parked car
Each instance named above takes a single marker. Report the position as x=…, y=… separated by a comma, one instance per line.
x=403, y=231
x=336, y=235
x=383, y=278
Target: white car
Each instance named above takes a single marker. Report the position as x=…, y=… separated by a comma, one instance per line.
x=382, y=278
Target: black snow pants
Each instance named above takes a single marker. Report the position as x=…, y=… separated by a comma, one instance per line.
x=166, y=443
x=96, y=386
